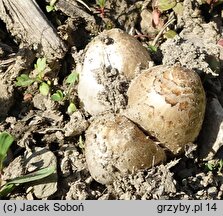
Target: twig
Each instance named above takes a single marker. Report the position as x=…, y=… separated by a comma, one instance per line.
x=83, y=3
x=169, y=22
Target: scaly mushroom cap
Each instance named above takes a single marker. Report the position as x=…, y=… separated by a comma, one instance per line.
x=169, y=103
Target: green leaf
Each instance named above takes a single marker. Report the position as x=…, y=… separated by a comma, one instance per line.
x=6, y=189
x=71, y=108
x=101, y=3
x=44, y=88
x=58, y=96
x=170, y=34
x=34, y=176
x=152, y=48
x=5, y=142
x=164, y=5
x=220, y=165
x=24, y=80
x=49, y=8
x=209, y=166
x=179, y=8
x=72, y=78
x=40, y=64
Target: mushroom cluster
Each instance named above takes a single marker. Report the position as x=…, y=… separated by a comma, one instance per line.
x=130, y=104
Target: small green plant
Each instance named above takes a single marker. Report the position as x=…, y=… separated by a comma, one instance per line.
x=210, y=166
x=214, y=165
x=159, y=8
x=170, y=34
x=40, y=66
x=6, y=141
x=24, y=80
x=71, y=108
x=72, y=78
x=220, y=165
x=164, y=5
x=152, y=48
x=61, y=96
x=101, y=7
x=51, y=6
x=165, y=26
x=57, y=96
x=81, y=142
x=101, y=3
x=44, y=88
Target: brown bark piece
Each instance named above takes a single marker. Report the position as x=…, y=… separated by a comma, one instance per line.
x=26, y=21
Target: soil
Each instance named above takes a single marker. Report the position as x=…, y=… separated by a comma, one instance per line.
x=47, y=134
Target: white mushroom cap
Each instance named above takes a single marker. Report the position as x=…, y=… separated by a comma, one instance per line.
x=112, y=55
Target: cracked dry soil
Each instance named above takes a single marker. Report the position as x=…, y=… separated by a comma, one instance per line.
x=46, y=134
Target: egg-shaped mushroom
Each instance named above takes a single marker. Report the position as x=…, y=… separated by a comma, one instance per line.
x=110, y=62
x=115, y=146
x=169, y=103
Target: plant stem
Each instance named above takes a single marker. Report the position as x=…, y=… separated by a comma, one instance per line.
x=169, y=22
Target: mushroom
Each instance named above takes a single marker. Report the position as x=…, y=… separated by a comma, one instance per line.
x=168, y=102
x=115, y=146
x=111, y=61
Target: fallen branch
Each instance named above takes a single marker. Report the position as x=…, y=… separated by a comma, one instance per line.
x=28, y=24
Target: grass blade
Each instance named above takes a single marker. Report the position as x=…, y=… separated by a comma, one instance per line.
x=34, y=176
x=5, y=142
x=6, y=189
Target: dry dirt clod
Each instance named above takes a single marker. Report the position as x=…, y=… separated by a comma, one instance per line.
x=15, y=169
x=154, y=183
x=77, y=124
x=169, y=103
x=115, y=146
x=196, y=45
x=41, y=158
x=111, y=61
